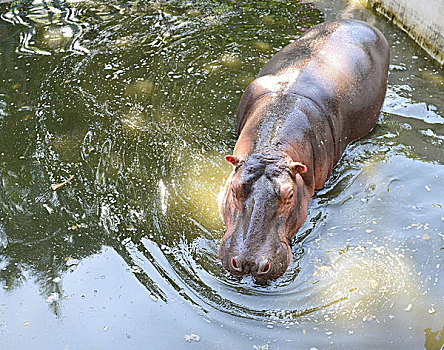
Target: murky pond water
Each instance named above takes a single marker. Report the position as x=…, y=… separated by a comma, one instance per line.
x=137, y=101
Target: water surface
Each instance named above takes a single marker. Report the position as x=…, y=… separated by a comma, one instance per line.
x=137, y=100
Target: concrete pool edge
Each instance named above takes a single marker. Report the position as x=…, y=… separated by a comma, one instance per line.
x=420, y=20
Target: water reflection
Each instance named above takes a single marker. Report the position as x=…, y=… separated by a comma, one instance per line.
x=52, y=26
x=142, y=119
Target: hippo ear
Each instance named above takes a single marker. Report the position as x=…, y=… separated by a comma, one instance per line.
x=233, y=160
x=298, y=168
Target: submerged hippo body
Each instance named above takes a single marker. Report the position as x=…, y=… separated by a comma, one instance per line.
x=294, y=121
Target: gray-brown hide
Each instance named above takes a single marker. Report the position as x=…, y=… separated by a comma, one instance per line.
x=294, y=121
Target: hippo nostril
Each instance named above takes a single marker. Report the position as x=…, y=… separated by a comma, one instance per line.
x=235, y=264
x=264, y=266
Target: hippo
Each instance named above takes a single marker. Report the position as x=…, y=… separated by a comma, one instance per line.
x=294, y=121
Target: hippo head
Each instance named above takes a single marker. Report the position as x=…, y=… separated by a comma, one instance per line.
x=261, y=208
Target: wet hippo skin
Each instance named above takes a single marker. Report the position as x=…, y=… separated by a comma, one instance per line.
x=294, y=121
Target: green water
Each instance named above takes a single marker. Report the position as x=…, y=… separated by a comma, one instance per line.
x=137, y=101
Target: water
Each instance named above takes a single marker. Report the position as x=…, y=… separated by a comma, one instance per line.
x=137, y=101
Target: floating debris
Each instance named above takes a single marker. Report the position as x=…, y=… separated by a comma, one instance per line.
x=396, y=67
x=71, y=261
x=321, y=269
x=56, y=187
x=408, y=308
x=48, y=208
x=369, y=318
x=192, y=337
x=260, y=347
x=136, y=269
x=53, y=297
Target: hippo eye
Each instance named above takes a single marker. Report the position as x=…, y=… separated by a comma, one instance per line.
x=286, y=192
x=289, y=196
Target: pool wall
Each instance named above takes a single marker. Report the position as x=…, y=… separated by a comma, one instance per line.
x=422, y=20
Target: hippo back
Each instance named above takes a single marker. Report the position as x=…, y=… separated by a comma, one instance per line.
x=341, y=66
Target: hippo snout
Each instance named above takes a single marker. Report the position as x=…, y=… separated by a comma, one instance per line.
x=265, y=264
x=243, y=265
